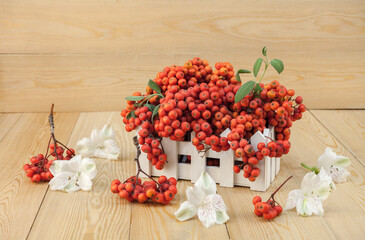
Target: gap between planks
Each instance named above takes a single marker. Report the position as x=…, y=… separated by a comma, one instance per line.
x=334, y=136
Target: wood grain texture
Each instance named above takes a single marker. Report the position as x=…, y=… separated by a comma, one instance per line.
x=162, y=27
x=154, y=221
x=98, y=214
x=348, y=127
x=20, y=199
x=310, y=138
x=73, y=50
x=101, y=82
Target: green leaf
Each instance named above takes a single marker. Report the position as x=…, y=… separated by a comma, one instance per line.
x=278, y=65
x=264, y=51
x=257, y=89
x=155, y=111
x=154, y=86
x=244, y=90
x=151, y=107
x=135, y=98
x=241, y=71
x=131, y=114
x=257, y=66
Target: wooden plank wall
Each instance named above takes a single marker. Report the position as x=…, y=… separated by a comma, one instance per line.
x=87, y=55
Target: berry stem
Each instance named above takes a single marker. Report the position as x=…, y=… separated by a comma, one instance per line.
x=263, y=74
x=55, y=141
x=135, y=142
x=312, y=169
x=273, y=194
x=49, y=143
x=65, y=147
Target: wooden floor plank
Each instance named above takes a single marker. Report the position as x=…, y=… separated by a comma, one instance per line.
x=20, y=199
x=344, y=209
x=348, y=126
x=155, y=221
x=7, y=121
x=98, y=214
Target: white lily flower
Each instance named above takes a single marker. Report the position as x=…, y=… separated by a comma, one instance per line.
x=72, y=175
x=101, y=144
x=204, y=201
x=334, y=165
x=315, y=188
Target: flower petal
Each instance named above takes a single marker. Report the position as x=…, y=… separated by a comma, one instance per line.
x=327, y=158
x=88, y=167
x=206, y=183
x=84, y=182
x=112, y=149
x=314, y=205
x=186, y=211
x=207, y=215
x=222, y=217
x=302, y=207
x=86, y=147
x=339, y=175
x=309, y=180
x=195, y=195
x=293, y=197
x=73, y=165
x=97, y=137
x=217, y=202
x=72, y=187
x=108, y=132
x=341, y=162
x=61, y=180
x=57, y=167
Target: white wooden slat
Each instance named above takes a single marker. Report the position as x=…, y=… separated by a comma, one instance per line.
x=226, y=178
x=198, y=162
x=277, y=160
x=262, y=182
x=184, y=171
x=171, y=149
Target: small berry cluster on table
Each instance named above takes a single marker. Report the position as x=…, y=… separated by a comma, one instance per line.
x=269, y=209
x=38, y=169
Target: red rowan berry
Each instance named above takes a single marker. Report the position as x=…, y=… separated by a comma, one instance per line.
x=256, y=199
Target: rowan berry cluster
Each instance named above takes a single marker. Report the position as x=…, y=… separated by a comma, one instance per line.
x=269, y=209
x=161, y=191
x=133, y=189
x=38, y=169
x=196, y=98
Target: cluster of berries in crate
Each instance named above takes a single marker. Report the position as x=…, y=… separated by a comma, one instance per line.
x=38, y=169
x=196, y=97
x=162, y=191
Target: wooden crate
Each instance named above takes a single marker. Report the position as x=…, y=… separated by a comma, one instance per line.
x=222, y=174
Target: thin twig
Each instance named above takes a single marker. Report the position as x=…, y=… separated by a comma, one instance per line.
x=272, y=195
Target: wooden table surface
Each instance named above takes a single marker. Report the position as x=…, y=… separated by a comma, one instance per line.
x=32, y=211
